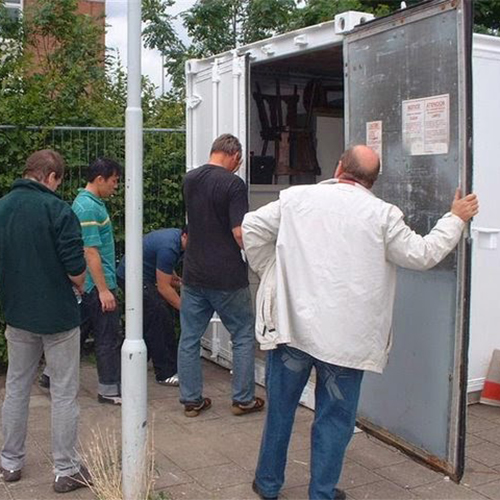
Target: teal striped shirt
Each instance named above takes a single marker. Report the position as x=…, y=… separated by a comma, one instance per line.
x=97, y=231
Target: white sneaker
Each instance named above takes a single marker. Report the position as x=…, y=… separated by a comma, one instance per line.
x=172, y=381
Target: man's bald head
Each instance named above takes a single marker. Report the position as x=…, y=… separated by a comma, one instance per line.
x=360, y=164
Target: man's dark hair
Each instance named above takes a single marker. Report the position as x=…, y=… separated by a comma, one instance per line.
x=356, y=171
x=184, y=230
x=105, y=167
x=226, y=143
x=42, y=163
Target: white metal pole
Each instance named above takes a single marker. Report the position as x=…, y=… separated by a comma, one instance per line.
x=134, y=356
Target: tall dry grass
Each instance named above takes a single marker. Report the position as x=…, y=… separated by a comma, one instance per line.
x=102, y=455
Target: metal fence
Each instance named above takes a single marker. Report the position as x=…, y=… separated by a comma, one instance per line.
x=164, y=164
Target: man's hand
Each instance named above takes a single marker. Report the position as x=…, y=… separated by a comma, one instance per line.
x=238, y=235
x=176, y=281
x=465, y=207
x=166, y=290
x=108, y=301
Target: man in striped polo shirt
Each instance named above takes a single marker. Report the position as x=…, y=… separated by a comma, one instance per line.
x=99, y=301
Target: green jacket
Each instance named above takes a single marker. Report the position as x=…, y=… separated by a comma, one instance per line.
x=40, y=245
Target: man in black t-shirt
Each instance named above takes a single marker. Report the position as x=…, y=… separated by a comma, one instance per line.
x=215, y=277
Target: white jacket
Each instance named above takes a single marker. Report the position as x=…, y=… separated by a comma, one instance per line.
x=326, y=255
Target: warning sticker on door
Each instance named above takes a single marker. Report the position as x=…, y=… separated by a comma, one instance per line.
x=426, y=125
x=374, y=138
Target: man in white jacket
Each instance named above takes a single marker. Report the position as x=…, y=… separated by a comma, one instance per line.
x=331, y=251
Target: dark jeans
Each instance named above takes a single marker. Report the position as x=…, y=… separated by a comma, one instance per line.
x=159, y=331
x=108, y=339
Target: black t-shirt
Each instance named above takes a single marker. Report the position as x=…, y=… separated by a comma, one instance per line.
x=216, y=202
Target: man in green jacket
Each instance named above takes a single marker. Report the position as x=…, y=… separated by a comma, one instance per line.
x=41, y=263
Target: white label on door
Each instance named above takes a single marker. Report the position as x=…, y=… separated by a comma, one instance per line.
x=374, y=138
x=426, y=125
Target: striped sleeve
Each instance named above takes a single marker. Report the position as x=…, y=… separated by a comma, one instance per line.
x=90, y=224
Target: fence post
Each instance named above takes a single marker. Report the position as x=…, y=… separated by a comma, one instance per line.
x=134, y=356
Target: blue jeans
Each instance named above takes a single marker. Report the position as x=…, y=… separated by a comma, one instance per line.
x=234, y=308
x=336, y=395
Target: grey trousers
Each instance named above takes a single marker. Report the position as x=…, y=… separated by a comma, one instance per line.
x=62, y=354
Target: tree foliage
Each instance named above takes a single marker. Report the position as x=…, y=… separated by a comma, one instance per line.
x=57, y=72
x=487, y=17
x=216, y=26
x=54, y=71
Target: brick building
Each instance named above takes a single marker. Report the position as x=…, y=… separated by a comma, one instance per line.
x=94, y=8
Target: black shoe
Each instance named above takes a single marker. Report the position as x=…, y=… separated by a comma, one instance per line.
x=10, y=476
x=255, y=488
x=64, y=484
x=110, y=400
x=339, y=494
x=44, y=381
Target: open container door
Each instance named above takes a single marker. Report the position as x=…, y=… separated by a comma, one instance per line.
x=216, y=103
x=407, y=83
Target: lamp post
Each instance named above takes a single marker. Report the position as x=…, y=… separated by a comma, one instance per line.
x=134, y=354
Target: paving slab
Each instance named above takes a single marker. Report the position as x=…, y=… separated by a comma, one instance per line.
x=4, y=493
x=42, y=491
x=477, y=424
x=296, y=493
x=84, y=494
x=447, y=490
x=243, y=449
x=381, y=490
x=189, y=491
x=490, y=490
x=492, y=434
x=477, y=474
x=373, y=454
x=218, y=477
x=354, y=475
x=213, y=456
x=486, y=453
x=408, y=474
x=239, y=492
x=167, y=473
x=485, y=411
x=472, y=440
x=192, y=453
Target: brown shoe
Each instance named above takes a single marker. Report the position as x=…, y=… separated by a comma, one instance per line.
x=193, y=410
x=65, y=484
x=239, y=409
x=10, y=476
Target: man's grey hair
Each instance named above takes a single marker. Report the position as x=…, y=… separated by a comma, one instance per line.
x=226, y=143
x=355, y=170
x=42, y=163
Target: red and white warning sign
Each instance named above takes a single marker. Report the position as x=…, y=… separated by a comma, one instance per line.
x=426, y=125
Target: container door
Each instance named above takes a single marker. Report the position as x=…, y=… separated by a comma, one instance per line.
x=407, y=82
x=217, y=103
